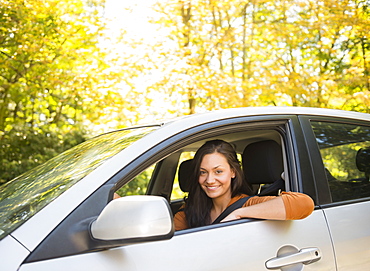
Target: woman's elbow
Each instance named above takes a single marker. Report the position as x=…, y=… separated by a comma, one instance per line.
x=306, y=207
x=300, y=206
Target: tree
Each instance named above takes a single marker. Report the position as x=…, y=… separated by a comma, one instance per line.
x=54, y=78
x=236, y=53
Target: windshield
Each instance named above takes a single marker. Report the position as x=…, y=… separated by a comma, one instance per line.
x=25, y=195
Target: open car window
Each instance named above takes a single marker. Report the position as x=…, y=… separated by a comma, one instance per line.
x=162, y=178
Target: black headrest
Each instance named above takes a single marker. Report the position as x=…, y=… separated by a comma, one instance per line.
x=363, y=160
x=263, y=162
x=185, y=170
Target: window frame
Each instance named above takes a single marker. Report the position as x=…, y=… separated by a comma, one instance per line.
x=318, y=168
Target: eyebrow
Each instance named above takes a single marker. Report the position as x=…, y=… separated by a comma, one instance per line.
x=213, y=167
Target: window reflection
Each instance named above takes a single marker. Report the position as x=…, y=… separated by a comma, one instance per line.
x=24, y=196
x=345, y=151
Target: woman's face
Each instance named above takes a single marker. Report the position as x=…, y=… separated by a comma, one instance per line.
x=215, y=176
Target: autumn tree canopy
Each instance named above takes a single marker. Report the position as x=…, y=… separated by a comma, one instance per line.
x=64, y=74
x=249, y=53
x=55, y=80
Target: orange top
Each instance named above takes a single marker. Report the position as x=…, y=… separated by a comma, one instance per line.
x=297, y=206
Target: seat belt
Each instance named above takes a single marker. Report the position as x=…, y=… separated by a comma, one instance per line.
x=236, y=205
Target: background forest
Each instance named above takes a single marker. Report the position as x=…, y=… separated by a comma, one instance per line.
x=69, y=71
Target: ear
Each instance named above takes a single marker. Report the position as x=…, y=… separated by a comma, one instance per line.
x=232, y=173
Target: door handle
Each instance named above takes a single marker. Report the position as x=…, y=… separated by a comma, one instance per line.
x=303, y=256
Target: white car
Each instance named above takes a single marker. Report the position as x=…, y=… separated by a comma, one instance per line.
x=62, y=216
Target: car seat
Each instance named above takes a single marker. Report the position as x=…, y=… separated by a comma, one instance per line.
x=263, y=167
x=183, y=176
x=359, y=187
x=185, y=170
x=363, y=162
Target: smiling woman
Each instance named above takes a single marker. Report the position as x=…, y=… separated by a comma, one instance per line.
x=215, y=177
x=217, y=182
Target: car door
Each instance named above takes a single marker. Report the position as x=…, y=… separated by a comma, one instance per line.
x=343, y=172
x=245, y=244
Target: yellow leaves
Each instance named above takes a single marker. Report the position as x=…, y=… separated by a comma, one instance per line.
x=282, y=52
x=41, y=16
x=53, y=66
x=227, y=53
x=8, y=128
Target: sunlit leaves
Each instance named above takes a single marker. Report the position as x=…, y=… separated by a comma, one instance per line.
x=55, y=78
x=236, y=53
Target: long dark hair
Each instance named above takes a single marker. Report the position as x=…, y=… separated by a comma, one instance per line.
x=198, y=204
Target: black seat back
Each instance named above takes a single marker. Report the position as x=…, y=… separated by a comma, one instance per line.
x=263, y=164
x=363, y=160
x=185, y=170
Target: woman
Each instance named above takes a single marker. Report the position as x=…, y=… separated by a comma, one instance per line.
x=218, y=182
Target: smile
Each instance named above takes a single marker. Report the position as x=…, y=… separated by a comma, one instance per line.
x=212, y=187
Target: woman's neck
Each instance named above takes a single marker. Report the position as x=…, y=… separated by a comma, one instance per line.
x=219, y=205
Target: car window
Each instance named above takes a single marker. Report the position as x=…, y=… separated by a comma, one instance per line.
x=345, y=151
x=138, y=185
x=177, y=193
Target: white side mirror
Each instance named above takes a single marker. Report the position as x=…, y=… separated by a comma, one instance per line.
x=134, y=217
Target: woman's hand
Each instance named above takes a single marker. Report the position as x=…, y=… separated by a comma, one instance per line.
x=232, y=216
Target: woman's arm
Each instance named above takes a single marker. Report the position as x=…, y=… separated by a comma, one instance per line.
x=271, y=209
x=288, y=206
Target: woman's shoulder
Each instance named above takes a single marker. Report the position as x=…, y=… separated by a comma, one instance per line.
x=237, y=197
x=180, y=219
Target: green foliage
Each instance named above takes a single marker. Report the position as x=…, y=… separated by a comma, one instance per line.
x=55, y=79
x=22, y=149
x=52, y=70
x=138, y=185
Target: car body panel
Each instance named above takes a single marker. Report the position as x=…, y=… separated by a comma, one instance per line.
x=350, y=229
x=207, y=249
x=12, y=253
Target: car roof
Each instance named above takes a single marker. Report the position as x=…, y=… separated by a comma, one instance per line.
x=204, y=117
x=267, y=110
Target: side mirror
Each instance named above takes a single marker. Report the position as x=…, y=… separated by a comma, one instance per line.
x=134, y=219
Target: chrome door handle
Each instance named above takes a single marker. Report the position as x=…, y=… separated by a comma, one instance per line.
x=303, y=256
